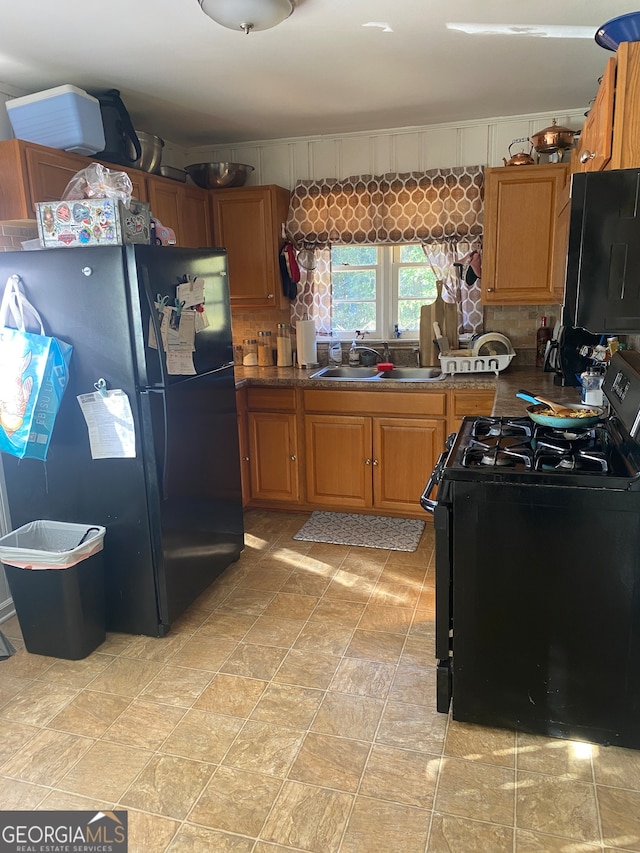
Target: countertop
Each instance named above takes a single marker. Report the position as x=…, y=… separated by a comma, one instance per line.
x=505, y=384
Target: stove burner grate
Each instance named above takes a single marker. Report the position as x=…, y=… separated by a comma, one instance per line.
x=496, y=454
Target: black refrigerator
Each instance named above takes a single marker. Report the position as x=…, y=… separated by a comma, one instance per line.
x=173, y=512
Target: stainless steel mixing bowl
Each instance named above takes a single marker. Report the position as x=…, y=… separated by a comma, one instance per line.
x=151, y=156
x=213, y=176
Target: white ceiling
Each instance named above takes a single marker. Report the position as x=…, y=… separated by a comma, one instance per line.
x=321, y=71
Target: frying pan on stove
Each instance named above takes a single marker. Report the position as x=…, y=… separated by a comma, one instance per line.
x=560, y=421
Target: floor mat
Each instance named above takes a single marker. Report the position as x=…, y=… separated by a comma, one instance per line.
x=369, y=531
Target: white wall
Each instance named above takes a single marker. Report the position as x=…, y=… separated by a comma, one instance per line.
x=285, y=161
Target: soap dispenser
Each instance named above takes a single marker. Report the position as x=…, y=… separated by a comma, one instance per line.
x=354, y=355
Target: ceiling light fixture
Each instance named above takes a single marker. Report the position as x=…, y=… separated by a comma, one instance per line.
x=248, y=15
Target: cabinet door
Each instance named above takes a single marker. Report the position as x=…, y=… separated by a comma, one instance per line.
x=520, y=235
x=49, y=172
x=339, y=460
x=247, y=222
x=593, y=150
x=165, y=198
x=404, y=453
x=138, y=182
x=625, y=152
x=196, y=218
x=273, y=456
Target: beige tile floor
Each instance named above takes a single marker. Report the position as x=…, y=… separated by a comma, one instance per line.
x=292, y=708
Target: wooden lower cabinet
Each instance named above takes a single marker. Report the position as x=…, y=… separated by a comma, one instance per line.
x=338, y=453
x=405, y=452
x=377, y=462
x=361, y=462
x=273, y=456
x=469, y=402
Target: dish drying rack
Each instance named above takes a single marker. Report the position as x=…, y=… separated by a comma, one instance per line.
x=464, y=361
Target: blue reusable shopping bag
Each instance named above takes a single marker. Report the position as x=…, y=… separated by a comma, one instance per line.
x=34, y=371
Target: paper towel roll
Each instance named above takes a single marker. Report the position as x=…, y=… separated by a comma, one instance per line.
x=306, y=342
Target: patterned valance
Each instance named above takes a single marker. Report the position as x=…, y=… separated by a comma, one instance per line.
x=438, y=206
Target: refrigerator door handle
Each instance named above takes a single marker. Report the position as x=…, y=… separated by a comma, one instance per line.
x=151, y=428
x=153, y=320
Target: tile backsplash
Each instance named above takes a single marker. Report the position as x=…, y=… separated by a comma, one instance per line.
x=517, y=322
x=11, y=236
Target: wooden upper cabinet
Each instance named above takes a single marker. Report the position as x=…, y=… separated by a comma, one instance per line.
x=247, y=221
x=521, y=205
x=30, y=173
x=196, y=218
x=49, y=172
x=593, y=151
x=610, y=137
x=164, y=198
x=625, y=153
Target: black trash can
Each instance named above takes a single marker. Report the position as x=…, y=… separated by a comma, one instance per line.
x=55, y=576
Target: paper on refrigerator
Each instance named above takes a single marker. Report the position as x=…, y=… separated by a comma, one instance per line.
x=110, y=424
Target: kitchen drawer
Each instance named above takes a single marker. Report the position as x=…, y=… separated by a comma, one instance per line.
x=471, y=403
x=376, y=402
x=271, y=399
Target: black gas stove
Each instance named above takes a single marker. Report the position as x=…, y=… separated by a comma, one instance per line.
x=518, y=450
x=538, y=571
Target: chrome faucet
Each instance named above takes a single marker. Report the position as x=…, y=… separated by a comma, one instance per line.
x=386, y=355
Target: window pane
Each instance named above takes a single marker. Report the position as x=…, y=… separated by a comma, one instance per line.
x=409, y=315
x=354, y=255
x=417, y=282
x=349, y=316
x=354, y=284
x=412, y=255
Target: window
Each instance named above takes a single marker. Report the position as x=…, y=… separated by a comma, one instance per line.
x=376, y=288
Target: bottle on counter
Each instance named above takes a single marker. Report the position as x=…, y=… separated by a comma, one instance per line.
x=354, y=355
x=265, y=351
x=335, y=349
x=283, y=345
x=238, y=354
x=592, y=393
x=250, y=352
x=543, y=336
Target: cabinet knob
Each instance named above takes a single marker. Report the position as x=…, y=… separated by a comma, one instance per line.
x=367, y=462
x=375, y=462
x=245, y=458
x=270, y=296
x=586, y=156
x=293, y=458
x=490, y=290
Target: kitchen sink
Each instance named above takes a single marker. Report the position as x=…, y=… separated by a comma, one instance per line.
x=413, y=374
x=345, y=372
x=371, y=374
